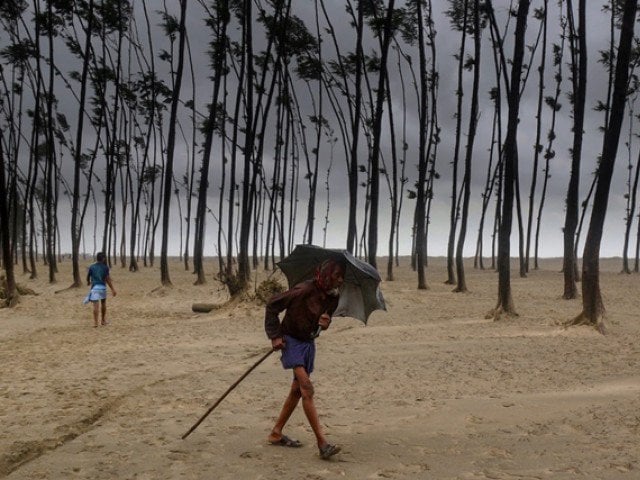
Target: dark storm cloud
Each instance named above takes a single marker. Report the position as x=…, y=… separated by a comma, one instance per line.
x=447, y=42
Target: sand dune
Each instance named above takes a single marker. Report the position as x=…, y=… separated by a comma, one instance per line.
x=429, y=389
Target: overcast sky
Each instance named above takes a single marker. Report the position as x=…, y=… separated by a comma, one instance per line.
x=447, y=42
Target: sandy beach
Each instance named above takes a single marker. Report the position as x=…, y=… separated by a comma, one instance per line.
x=430, y=389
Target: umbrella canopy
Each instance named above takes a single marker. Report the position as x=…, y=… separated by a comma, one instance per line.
x=360, y=294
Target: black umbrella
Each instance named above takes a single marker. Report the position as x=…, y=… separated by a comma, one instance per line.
x=360, y=294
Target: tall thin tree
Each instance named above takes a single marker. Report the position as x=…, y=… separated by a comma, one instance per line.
x=505, y=300
x=76, y=224
x=471, y=135
x=168, y=172
x=386, y=33
x=592, y=305
x=11, y=296
x=579, y=81
x=459, y=14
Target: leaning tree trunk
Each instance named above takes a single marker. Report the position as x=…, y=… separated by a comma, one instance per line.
x=466, y=182
x=393, y=193
x=218, y=54
x=592, y=305
x=420, y=211
x=168, y=173
x=571, y=220
x=11, y=292
x=494, y=177
x=537, y=145
x=248, y=186
x=190, y=175
x=355, y=130
x=505, y=301
x=150, y=119
x=76, y=225
x=631, y=209
x=551, y=136
x=610, y=55
x=454, y=209
x=377, y=131
x=50, y=166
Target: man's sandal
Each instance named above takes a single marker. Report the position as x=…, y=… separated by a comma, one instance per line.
x=328, y=451
x=286, y=442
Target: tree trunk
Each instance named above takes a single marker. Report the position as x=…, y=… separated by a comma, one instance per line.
x=466, y=182
x=505, y=301
x=76, y=224
x=250, y=167
x=355, y=131
x=377, y=128
x=551, y=136
x=11, y=294
x=420, y=212
x=537, y=145
x=168, y=173
x=631, y=210
x=201, y=206
x=592, y=305
x=455, y=207
x=50, y=166
x=579, y=76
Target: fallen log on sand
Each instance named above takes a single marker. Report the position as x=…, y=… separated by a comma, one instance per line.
x=204, y=307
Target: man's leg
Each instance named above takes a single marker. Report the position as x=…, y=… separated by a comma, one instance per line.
x=96, y=312
x=306, y=390
x=103, y=304
x=287, y=409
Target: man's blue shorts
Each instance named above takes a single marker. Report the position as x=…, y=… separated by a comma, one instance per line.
x=297, y=353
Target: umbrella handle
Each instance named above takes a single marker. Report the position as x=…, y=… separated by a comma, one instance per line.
x=319, y=330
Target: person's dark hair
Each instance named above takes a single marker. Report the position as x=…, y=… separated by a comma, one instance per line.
x=100, y=257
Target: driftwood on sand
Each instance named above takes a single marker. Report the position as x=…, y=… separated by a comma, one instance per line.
x=204, y=307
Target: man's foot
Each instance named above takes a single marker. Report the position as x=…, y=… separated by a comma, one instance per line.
x=285, y=441
x=328, y=451
x=104, y=322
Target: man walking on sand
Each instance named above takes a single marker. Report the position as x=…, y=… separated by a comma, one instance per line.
x=98, y=277
x=309, y=306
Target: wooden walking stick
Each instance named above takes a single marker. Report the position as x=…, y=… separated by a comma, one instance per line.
x=237, y=382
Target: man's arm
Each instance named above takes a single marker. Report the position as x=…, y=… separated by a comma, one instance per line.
x=271, y=319
x=272, y=327
x=108, y=280
x=277, y=304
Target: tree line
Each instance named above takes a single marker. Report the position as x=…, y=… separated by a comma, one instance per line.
x=107, y=112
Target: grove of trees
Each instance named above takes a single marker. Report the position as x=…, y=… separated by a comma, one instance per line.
x=239, y=128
